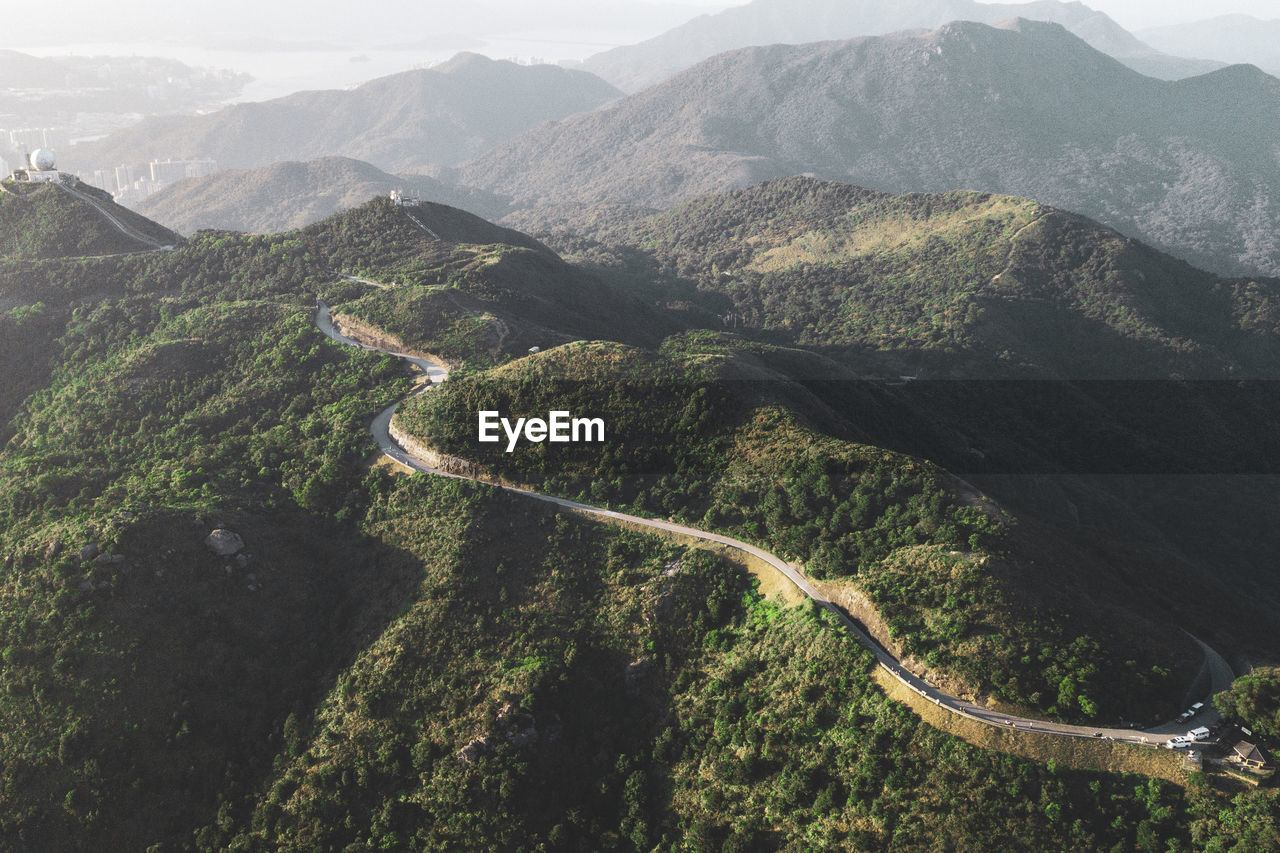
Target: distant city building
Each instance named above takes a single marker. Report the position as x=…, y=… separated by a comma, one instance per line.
x=32, y=138
x=5, y=171
x=125, y=176
x=131, y=188
x=169, y=171
x=104, y=179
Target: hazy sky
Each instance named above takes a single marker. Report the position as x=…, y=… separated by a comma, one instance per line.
x=389, y=21
x=295, y=44
x=1137, y=14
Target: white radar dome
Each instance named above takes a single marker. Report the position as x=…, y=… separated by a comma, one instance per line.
x=42, y=160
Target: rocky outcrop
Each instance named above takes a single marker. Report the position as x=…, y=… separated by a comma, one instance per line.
x=473, y=751
x=635, y=674
x=224, y=543
x=437, y=460
x=372, y=336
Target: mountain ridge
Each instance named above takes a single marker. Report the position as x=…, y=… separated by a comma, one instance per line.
x=404, y=121
x=634, y=67
x=287, y=195
x=1026, y=109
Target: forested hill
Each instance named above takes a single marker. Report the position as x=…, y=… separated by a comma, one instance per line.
x=404, y=121
x=289, y=195
x=45, y=221
x=959, y=285
x=224, y=625
x=634, y=67
x=1027, y=109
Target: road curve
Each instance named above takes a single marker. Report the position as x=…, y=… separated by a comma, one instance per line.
x=438, y=373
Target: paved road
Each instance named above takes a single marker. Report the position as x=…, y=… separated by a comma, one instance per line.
x=438, y=373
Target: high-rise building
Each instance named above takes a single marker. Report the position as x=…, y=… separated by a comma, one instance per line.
x=104, y=179
x=125, y=176
x=168, y=171
x=5, y=171
x=31, y=138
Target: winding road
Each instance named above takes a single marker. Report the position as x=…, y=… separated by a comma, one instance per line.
x=438, y=373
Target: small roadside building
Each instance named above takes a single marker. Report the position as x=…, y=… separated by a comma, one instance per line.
x=1249, y=755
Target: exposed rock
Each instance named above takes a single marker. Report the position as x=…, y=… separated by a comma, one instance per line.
x=472, y=752
x=553, y=729
x=242, y=560
x=524, y=737
x=636, y=672
x=224, y=543
x=108, y=559
x=88, y=552
x=55, y=548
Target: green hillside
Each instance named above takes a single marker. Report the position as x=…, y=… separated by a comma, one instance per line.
x=413, y=663
x=1103, y=435
x=480, y=293
x=961, y=285
x=1024, y=108
x=703, y=433
x=45, y=221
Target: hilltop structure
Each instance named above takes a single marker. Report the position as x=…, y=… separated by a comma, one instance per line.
x=400, y=198
x=41, y=168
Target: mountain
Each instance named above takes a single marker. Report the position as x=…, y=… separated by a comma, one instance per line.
x=71, y=220
x=1026, y=109
x=225, y=623
x=468, y=290
x=761, y=22
x=286, y=196
x=405, y=121
x=1227, y=38
x=953, y=286
x=1072, y=374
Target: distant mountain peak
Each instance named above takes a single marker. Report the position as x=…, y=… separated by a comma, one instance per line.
x=1029, y=110
x=634, y=67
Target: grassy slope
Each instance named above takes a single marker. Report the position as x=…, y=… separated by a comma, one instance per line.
x=41, y=221
x=746, y=726
x=481, y=293
x=907, y=285
x=160, y=700
x=962, y=284
x=699, y=433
